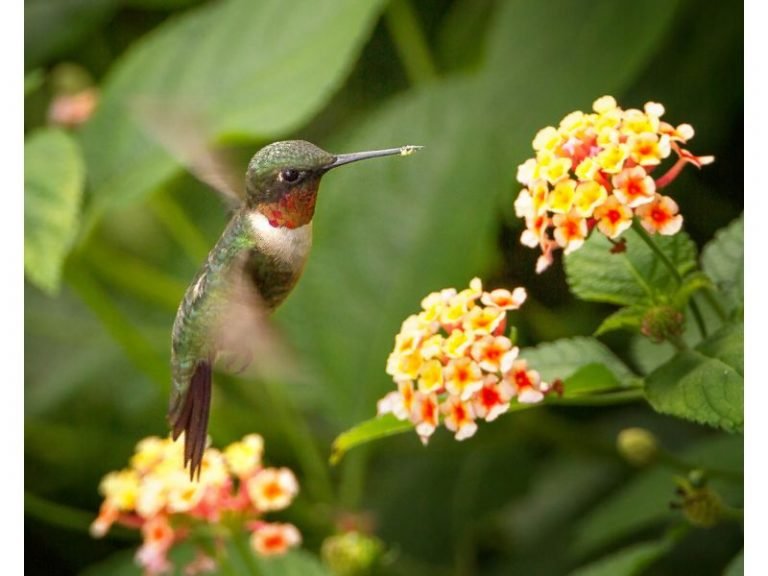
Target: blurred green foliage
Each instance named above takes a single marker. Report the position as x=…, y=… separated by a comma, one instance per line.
x=115, y=229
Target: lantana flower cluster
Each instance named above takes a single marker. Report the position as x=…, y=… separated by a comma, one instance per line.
x=596, y=170
x=156, y=495
x=453, y=364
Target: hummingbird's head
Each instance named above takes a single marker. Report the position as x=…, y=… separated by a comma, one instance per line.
x=283, y=178
x=282, y=181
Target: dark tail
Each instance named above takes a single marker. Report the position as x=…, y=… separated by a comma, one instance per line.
x=190, y=415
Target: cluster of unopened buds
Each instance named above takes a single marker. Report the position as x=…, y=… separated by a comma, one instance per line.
x=596, y=170
x=452, y=362
x=156, y=495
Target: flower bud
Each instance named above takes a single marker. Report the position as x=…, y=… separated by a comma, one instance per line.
x=699, y=503
x=637, y=446
x=351, y=553
x=662, y=322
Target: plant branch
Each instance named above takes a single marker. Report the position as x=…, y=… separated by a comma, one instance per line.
x=410, y=43
x=179, y=226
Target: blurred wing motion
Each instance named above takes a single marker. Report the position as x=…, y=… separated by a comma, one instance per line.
x=182, y=133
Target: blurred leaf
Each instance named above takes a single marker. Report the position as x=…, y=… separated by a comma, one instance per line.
x=294, y=563
x=736, y=566
x=630, y=277
x=250, y=69
x=545, y=508
x=705, y=385
x=33, y=80
x=461, y=40
x=626, y=562
x=563, y=358
x=373, y=429
x=121, y=564
x=52, y=27
x=626, y=318
x=53, y=185
x=643, y=501
x=161, y=4
x=723, y=260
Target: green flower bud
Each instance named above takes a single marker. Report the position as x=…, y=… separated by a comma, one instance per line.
x=351, y=553
x=637, y=446
x=700, y=505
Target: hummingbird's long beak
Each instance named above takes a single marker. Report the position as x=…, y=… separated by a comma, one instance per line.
x=342, y=159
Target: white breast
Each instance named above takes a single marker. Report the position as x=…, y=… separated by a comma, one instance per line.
x=286, y=244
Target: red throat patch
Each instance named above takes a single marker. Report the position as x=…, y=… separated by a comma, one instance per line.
x=295, y=209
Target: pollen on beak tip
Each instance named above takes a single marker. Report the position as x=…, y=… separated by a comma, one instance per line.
x=408, y=150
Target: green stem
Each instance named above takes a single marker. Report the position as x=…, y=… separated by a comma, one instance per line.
x=675, y=463
x=57, y=514
x=135, y=276
x=410, y=42
x=638, y=228
x=246, y=554
x=301, y=439
x=179, y=226
x=352, y=483
x=715, y=304
x=138, y=349
x=605, y=399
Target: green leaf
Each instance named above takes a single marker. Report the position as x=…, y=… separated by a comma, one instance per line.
x=33, y=80
x=723, y=260
x=373, y=429
x=626, y=318
x=564, y=358
x=52, y=27
x=705, y=385
x=589, y=379
x=736, y=566
x=626, y=562
x=53, y=185
x=294, y=563
x=630, y=277
x=246, y=73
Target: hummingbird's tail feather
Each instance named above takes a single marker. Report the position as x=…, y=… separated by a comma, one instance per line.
x=189, y=414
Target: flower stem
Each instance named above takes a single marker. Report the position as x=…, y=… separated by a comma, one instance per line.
x=671, y=174
x=133, y=341
x=623, y=396
x=179, y=226
x=638, y=228
x=410, y=42
x=244, y=551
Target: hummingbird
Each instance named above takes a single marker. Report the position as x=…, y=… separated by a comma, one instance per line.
x=249, y=272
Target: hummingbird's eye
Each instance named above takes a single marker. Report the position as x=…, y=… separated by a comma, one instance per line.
x=289, y=175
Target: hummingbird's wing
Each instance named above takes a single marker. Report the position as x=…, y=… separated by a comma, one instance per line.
x=181, y=132
x=247, y=343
